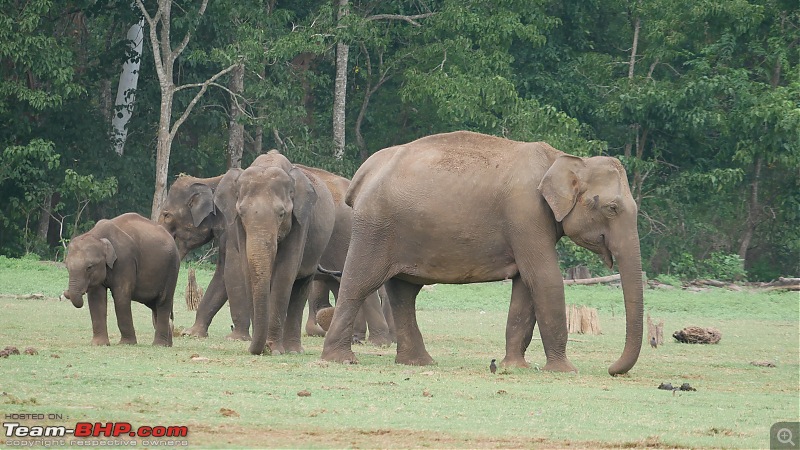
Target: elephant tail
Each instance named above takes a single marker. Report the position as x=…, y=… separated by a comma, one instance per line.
x=335, y=274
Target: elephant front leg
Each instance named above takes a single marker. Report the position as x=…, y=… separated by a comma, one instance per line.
x=240, y=304
x=213, y=300
x=378, y=328
x=519, y=327
x=98, y=310
x=410, y=346
x=122, y=306
x=292, y=330
x=386, y=306
x=550, y=312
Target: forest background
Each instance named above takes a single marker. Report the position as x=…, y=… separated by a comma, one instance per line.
x=699, y=99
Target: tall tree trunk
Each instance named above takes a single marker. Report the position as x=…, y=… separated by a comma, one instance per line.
x=340, y=90
x=126, y=90
x=164, y=57
x=752, y=211
x=163, y=150
x=236, y=129
x=44, y=219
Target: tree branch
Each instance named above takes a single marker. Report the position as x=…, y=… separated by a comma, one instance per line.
x=409, y=19
x=152, y=24
x=203, y=87
x=186, y=38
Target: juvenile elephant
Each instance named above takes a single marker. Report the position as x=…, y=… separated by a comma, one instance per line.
x=137, y=260
x=280, y=219
x=190, y=216
x=464, y=207
x=371, y=313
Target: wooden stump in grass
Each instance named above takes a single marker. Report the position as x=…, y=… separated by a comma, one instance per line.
x=655, y=331
x=193, y=292
x=698, y=335
x=582, y=320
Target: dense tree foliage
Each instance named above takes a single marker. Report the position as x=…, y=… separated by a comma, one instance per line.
x=700, y=100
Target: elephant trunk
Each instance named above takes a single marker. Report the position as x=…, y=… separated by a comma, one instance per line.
x=260, y=260
x=629, y=261
x=75, y=293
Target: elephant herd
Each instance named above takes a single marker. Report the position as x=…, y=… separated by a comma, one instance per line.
x=456, y=208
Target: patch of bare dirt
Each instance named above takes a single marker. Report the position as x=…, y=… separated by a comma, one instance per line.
x=228, y=435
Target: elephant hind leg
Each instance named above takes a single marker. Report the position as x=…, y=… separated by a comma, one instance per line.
x=361, y=277
x=318, y=298
x=410, y=346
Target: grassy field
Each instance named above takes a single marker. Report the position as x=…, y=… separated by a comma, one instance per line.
x=228, y=398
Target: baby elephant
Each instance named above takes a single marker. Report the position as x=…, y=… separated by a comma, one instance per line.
x=136, y=259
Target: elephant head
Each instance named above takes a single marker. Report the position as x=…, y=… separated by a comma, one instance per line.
x=592, y=200
x=263, y=206
x=187, y=213
x=88, y=258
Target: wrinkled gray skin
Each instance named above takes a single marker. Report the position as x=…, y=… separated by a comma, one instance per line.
x=464, y=207
x=372, y=314
x=190, y=216
x=134, y=258
x=280, y=220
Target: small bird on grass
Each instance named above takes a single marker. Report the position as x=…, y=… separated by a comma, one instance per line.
x=493, y=366
x=653, y=342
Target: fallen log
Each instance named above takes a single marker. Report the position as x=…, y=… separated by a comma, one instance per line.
x=597, y=280
x=698, y=335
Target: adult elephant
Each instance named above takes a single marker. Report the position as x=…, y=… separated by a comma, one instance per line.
x=280, y=220
x=190, y=216
x=371, y=315
x=464, y=207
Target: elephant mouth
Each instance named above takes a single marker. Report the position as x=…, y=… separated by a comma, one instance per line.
x=605, y=253
x=599, y=247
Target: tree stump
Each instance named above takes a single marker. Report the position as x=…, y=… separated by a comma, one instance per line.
x=655, y=331
x=582, y=320
x=193, y=292
x=578, y=273
x=698, y=335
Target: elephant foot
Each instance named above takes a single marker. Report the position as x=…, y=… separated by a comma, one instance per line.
x=341, y=356
x=518, y=362
x=379, y=340
x=237, y=335
x=127, y=341
x=415, y=360
x=559, y=365
x=196, y=331
x=162, y=343
x=276, y=348
x=294, y=348
x=313, y=329
x=100, y=341
x=325, y=317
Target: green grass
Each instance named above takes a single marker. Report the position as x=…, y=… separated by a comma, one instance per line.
x=456, y=403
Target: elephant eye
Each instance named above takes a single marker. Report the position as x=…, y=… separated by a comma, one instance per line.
x=89, y=267
x=610, y=209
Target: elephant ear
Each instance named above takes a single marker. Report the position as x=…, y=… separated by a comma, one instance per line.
x=110, y=253
x=561, y=185
x=305, y=197
x=227, y=194
x=225, y=197
x=201, y=203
